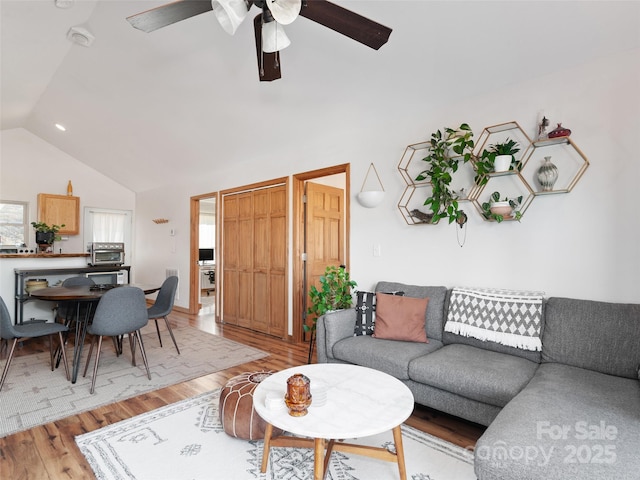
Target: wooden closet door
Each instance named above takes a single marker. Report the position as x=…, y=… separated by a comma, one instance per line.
x=278, y=262
x=255, y=238
x=230, y=296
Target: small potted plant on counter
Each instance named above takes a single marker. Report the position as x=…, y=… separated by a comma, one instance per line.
x=499, y=157
x=46, y=235
x=499, y=210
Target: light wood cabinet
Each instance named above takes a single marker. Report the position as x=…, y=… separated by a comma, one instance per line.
x=59, y=210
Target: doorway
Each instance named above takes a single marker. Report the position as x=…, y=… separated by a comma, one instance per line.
x=337, y=250
x=203, y=296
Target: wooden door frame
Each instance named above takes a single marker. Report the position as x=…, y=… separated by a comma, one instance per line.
x=194, y=245
x=298, y=235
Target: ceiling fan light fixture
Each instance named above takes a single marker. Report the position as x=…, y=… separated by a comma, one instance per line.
x=230, y=13
x=274, y=38
x=284, y=11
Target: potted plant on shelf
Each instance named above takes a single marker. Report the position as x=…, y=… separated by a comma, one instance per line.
x=499, y=157
x=499, y=210
x=46, y=235
x=448, y=148
x=335, y=293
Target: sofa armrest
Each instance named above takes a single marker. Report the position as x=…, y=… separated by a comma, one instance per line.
x=331, y=328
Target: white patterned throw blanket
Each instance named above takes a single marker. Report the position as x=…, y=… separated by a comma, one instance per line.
x=509, y=317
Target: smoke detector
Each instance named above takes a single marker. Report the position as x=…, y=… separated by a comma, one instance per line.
x=81, y=36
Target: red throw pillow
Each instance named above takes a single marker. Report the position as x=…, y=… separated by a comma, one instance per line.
x=400, y=318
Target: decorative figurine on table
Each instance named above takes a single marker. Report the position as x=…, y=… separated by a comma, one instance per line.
x=298, y=397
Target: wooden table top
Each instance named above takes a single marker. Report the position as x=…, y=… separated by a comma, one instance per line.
x=83, y=292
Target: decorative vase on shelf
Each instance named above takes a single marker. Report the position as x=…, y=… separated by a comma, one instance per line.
x=547, y=175
x=559, y=132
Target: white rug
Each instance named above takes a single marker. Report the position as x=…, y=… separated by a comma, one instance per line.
x=33, y=395
x=186, y=441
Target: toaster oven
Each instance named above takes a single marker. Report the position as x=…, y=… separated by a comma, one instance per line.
x=106, y=253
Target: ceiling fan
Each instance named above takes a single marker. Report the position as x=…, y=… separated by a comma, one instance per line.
x=270, y=36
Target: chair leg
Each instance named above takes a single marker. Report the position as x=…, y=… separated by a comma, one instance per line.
x=158, y=330
x=143, y=353
x=166, y=320
x=51, y=349
x=64, y=356
x=9, y=358
x=95, y=367
x=86, y=365
x=132, y=346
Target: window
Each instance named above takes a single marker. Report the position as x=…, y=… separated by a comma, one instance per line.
x=13, y=223
x=103, y=225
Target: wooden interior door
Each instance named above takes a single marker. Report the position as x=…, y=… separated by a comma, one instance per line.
x=255, y=259
x=324, y=231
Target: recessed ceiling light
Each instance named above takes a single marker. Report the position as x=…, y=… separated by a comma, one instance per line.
x=64, y=3
x=60, y=127
x=81, y=36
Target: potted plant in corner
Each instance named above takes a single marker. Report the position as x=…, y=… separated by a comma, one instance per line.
x=46, y=235
x=499, y=157
x=499, y=210
x=335, y=293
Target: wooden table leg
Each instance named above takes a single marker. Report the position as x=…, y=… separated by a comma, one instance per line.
x=268, y=431
x=318, y=459
x=397, y=438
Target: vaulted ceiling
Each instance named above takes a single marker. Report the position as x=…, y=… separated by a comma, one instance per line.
x=146, y=109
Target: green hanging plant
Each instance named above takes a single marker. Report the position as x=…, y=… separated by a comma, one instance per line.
x=448, y=147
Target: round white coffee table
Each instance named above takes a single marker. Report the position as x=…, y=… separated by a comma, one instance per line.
x=359, y=402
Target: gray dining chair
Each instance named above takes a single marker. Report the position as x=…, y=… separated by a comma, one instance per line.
x=67, y=309
x=163, y=306
x=121, y=311
x=9, y=331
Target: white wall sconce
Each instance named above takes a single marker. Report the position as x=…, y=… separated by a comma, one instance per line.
x=371, y=198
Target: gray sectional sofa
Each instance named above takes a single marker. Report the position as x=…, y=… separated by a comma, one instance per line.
x=569, y=411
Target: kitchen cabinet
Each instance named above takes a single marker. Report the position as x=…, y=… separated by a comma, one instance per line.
x=59, y=210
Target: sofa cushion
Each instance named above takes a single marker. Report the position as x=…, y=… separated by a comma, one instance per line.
x=366, y=312
x=435, y=310
x=567, y=423
x=389, y=356
x=595, y=335
x=400, y=318
x=482, y=375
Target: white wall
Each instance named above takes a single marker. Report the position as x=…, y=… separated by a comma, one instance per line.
x=28, y=166
x=583, y=244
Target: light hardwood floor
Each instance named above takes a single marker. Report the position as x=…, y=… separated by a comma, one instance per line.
x=49, y=451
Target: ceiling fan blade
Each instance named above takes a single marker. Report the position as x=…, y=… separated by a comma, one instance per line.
x=168, y=14
x=346, y=22
x=268, y=63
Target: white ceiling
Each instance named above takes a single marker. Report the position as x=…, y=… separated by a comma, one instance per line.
x=146, y=109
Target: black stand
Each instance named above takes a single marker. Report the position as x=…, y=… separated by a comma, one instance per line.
x=312, y=342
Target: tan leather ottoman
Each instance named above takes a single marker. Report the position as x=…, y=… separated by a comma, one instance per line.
x=237, y=415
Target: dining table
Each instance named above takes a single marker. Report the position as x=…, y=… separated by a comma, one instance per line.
x=85, y=298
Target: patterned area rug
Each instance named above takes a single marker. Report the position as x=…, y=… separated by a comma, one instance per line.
x=33, y=395
x=185, y=440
